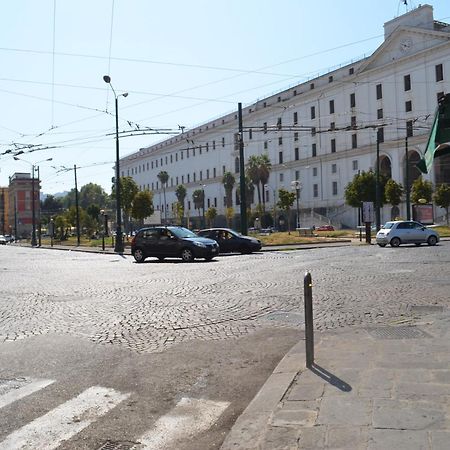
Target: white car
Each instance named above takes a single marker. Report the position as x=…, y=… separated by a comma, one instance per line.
x=2, y=240
x=405, y=232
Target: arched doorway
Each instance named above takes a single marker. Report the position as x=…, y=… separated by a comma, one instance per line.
x=413, y=171
x=385, y=166
x=442, y=169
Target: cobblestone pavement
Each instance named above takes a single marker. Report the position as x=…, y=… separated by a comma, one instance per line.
x=110, y=300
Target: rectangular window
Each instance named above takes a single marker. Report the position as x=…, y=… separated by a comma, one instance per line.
x=279, y=123
x=265, y=145
x=409, y=128
x=331, y=106
x=379, y=113
x=408, y=106
x=297, y=174
x=176, y=157
x=280, y=141
x=313, y=131
x=200, y=149
x=201, y=175
x=209, y=203
x=250, y=133
x=314, y=150
x=439, y=72
x=353, y=122
x=351, y=71
x=214, y=145
x=157, y=185
x=187, y=153
x=181, y=156
x=189, y=205
x=314, y=171
x=313, y=112
x=214, y=172
x=207, y=146
x=195, y=177
x=352, y=100
x=296, y=154
x=379, y=92
x=171, y=159
x=223, y=142
x=265, y=127
x=281, y=177
x=330, y=79
x=354, y=141
x=315, y=190
x=311, y=86
x=182, y=179
x=295, y=136
x=176, y=180
x=295, y=118
x=280, y=157
x=333, y=145
x=215, y=202
x=223, y=169
x=335, y=188
x=407, y=82
x=333, y=168
x=355, y=164
x=188, y=178
x=156, y=162
x=332, y=126
x=193, y=151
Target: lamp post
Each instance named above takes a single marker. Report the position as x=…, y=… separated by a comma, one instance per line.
x=118, y=248
x=52, y=231
x=105, y=227
x=33, y=200
x=297, y=186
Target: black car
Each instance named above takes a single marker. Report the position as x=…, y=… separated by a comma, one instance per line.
x=163, y=242
x=231, y=241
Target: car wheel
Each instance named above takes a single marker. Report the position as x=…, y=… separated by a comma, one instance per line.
x=161, y=258
x=139, y=255
x=432, y=240
x=418, y=244
x=209, y=258
x=187, y=255
x=382, y=245
x=245, y=250
x=395, y=242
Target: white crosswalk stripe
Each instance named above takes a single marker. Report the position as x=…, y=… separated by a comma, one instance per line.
x=13, y=390
x=48, y=431
x=188, y=418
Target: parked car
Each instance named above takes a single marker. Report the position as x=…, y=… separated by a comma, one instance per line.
x=2, y=240
x=231, y=241
x=9, y=238
x=325, y=228
x=163, y=242
x=406, y=232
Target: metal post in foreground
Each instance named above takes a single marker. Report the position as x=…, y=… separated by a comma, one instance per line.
x=309, y=326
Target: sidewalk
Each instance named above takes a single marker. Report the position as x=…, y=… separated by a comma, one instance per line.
x=376, y=388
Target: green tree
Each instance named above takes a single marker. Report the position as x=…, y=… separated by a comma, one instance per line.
x=285, y=202
x=258, y=170
x=51, y=205
x=163, y=177
x=92, y=194
x=142, y=205
x=61, y=224
x=198, y=197
x=210, y=215
x=128, y=190
x=229, y=214
x=421, y=189
x=265, y=166
x=228, y=182
x=254, y=175
x=442, y=198
x=393, y=192
x=180, y=193
x=363, y=189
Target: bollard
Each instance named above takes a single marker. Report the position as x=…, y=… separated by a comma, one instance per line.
x=309, y=326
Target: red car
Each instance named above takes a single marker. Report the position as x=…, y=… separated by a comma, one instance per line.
x=325, y=228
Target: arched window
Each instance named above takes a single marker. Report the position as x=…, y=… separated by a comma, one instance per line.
x=413, y=171
x=385, y=166
x=442, y=169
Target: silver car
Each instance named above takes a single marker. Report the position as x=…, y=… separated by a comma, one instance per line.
x=406, y=232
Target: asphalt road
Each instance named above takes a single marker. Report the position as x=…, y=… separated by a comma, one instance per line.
x=176, y=351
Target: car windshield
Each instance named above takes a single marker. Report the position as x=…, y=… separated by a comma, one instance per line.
x=181, y=232
x=388, y=225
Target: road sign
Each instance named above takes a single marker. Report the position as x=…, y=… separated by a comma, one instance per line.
x=368, y=212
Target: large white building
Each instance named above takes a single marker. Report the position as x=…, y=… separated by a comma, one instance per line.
x=321, y=132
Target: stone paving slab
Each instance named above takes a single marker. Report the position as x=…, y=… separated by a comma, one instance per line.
x=362, y=393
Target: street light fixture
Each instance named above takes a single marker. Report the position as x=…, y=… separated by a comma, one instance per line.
x=297, y=186
x=33, y=200
x=118, y=247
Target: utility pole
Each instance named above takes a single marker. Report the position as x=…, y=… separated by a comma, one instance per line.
x=39, y=209
x=33, y=209
x=377, y=186
x=244, y=228
x=408, y=193
x=76, y=205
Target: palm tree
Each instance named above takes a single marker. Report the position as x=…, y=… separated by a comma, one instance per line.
x=198, y=196
x=163, y=176
x=228, y=181
x=258, y=170
x=265, y=166
x=180, y=193
x=254, y=174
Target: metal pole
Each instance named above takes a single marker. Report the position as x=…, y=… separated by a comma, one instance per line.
x=52, y=223
x=408, y=201
x=39, y=208
x=309, y=326
x=119, y=238
x=76, y=206
x=33, y=209
x=298, y=209
x=244, y=227
x=377, y=186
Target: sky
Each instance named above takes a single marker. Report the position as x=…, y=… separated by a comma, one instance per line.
x=181, y=62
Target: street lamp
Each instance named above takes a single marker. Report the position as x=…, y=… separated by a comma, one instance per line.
x=33, y=200
x=297, y=186
x=105, y=227
x=119, y=238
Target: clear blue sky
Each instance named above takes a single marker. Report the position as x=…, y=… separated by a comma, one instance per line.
x=182, y=63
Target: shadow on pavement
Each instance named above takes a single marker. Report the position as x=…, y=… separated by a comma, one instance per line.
x=330, y=378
